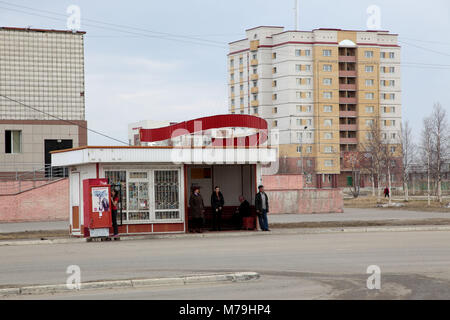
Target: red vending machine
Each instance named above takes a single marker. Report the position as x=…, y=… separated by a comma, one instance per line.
x=97, y=208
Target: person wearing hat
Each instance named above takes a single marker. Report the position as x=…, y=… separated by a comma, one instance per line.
x=262, y=208
x=197, y=209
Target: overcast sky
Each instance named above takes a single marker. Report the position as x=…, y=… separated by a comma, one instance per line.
x=141, y=70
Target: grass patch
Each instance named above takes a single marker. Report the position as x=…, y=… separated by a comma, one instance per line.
x=412, y=205
x=34, y=235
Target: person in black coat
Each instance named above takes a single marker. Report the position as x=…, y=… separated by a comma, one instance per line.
x=217, y=203
x=242, y=211
x=262, y=208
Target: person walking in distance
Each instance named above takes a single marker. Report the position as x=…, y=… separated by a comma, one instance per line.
x=217, y=203
x=262, y=208
x=386, y=192
x=197, y=209
x=114, y=201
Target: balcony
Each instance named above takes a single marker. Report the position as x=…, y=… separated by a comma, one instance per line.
x=345, y=73
x=254, y=44
x=254, y=103
x=254, y=62
x=349, y=87
x=348, y=141
x=348, y=100
x=347, y=114
x=254, y=90
x=254, y=77
x=347, y=58
x=348, y=127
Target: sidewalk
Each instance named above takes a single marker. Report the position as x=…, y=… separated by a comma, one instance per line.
x=350, y=214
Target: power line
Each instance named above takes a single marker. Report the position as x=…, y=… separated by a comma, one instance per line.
x=68, y=121
x=426, y=49
x=156, y=34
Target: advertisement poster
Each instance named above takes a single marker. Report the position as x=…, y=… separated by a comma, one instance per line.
x=100, y=199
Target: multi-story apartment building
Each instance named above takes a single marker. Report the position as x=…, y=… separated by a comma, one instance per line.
x=324, y=90
x=41, y=89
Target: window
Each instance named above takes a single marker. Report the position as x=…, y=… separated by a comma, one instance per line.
x=232, y=63
x=274, y=70
x=369, y=82
x=309, y=122
x=255, y=71
x=393, y=149
x=391, y=55
x=274, y=96
x=328, y=135
x=327, y=108
x=241, y=100
x=394, y=135
x=274, y=55
x=299, y=149
x=328, y=149
x=275, y=110
x=298, y=67
x=241, y=87
x=307, y=67
x=369, y=122
x=370, y=95
x=369, y=68
x=327, y=95
x=368, y=54
x=13, y=141
x=275, y=123
x=307, y=53
x=369, y=135
x=232, y=76
x=232, y=89
x=255, y=110
x=299, y=81
x=309, y=163
x=309, y=149
x=241, y=74
x=327, y=67
x=328, y=163
x=391, y=69
x=327, y=81
x=326, y=53
x=255, y=56
x=232, y=102
x=328, y=122
x=369, y=109
x=274, y=83
x=167, y=199
x=298, y=52
x=383, y=55
x=241, y=60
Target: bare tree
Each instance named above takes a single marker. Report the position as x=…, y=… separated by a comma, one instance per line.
x=373, y=149
x=426, y=147
x=388, y=155
x=408, y=151
x=441, y=139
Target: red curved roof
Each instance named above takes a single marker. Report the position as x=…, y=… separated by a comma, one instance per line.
x=211, y=122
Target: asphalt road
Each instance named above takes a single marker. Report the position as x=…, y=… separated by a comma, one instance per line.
x=414, y=265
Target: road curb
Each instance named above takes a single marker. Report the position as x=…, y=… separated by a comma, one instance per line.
x=132, y=283
x=279, y=231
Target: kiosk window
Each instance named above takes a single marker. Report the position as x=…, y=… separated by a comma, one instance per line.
x=167, y=200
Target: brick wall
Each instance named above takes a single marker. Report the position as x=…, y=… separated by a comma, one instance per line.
x=46, y=203
x=287, y=195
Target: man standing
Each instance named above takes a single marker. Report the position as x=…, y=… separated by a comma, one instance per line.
x=262, y=208
x=197, y=210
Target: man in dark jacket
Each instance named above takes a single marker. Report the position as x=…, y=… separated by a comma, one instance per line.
x=262, y=208
x=242, y=211
x=197, y=210
x=217, y=203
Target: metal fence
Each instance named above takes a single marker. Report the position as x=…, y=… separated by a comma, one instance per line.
x=14, y=182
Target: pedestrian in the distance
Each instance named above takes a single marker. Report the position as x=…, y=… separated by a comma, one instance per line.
x=197, y=210
x=262, y=208
x=386, y=192
x=114, y=202
x=217, y=202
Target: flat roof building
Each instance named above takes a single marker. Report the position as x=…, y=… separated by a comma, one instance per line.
x=41, y=88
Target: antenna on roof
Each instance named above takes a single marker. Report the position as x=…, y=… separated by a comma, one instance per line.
x=296, y=13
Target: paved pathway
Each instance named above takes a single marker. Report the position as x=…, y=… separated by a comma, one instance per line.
x=350, y=214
